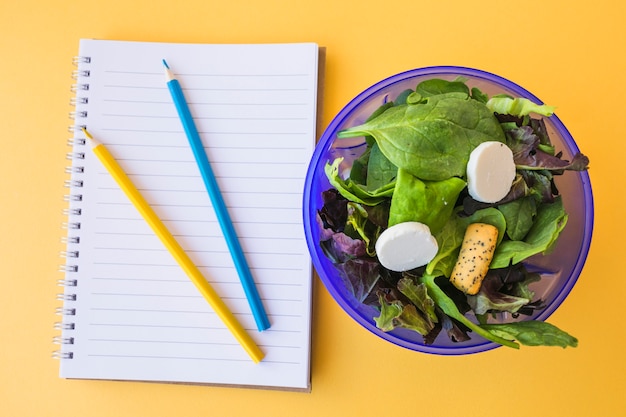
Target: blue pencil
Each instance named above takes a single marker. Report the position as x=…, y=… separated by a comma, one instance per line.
x=258, y=311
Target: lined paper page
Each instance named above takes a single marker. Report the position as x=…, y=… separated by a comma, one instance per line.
x=138, y=316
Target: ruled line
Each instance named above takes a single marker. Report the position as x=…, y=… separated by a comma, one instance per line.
x=206, y=132
x=194, y=296
x=246, y=90
x=186, y=281
x=128, y=233
x=203, y=74
x=238, y=118
x=225, y=251
x=165, y=311
x=161, y=265
x=177, y=327
x=207, y=103
x=209, y=359
x=184, y=342
x=230, y=176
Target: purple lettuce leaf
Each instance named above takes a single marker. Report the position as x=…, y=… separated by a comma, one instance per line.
x=360, y=276
x=528, y=154
x=506, y=289
x=334, y=212
x=489, y=298
x=455, y=330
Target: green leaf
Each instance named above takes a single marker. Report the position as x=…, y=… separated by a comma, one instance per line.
x=519, y=215
x=418, y=294
x=380, y=171
x=395, y=313
x=401, y=99
x=380, y=110
x=447, y=305
x=415, y=98
x=411, y=319
x=427, y=202
x=431, y=140
x=358, y=171
x=478, y=95
x=353, y=191
x=533, y=333
x=438, y=86
x=450, y=238
x=490, y=216
x=388, y=313
x=490, y=298
x=522, y=289
x=518, y=106
x=358, y=219
x=549, y=222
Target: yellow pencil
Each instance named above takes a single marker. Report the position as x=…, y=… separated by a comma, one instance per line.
x=175, y=249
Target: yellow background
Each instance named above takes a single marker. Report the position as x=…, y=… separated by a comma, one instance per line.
x=570, y=54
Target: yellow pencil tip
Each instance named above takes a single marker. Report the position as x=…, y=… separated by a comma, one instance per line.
x=86, y=133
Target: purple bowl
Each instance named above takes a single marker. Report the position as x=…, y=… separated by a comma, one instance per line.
x=560, y=269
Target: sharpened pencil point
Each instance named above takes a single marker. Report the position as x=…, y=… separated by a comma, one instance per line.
x=86, y=133
x=168, y=74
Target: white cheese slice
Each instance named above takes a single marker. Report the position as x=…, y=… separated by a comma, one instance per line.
x=405, y=246
x=490, y=172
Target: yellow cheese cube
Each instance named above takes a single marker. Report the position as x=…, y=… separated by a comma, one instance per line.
x=475, y=256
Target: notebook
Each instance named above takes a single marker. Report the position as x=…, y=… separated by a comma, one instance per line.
x=129, y=312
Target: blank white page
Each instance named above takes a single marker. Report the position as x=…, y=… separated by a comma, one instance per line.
x=136, y=315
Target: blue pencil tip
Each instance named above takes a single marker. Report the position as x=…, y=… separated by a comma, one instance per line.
x=165, y=64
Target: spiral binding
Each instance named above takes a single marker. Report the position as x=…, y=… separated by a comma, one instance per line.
x=74, y=198
x=59, y=325
x=62, y=355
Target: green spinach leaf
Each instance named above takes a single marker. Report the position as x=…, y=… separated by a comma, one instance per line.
x=449, y=240
x=478, y=95
x=436, y=86
x=428, y=202
x=519, y=215
x=353, y=191
x=447, y=305
x=549, y=222
x=532, y=333
x=451, y=236
x=431, y=140
x=358, y=172
x=380, y=171
x=401, y=99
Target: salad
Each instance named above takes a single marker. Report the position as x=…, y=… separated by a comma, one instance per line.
x=398, y=227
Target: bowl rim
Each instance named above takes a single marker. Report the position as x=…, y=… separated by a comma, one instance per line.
x=328, y=136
